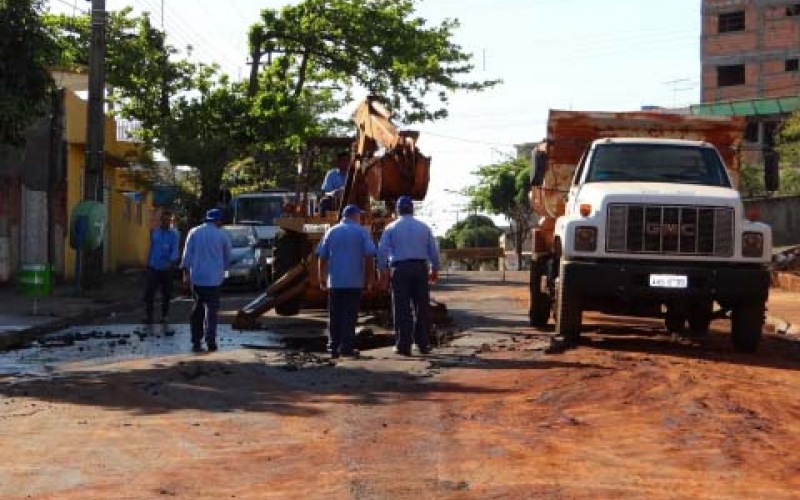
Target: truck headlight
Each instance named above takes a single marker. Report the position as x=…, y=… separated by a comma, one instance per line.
x=585, y=239
x=752, y=245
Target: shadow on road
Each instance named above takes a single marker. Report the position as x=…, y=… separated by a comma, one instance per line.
x=227, y=386
x=774, y=352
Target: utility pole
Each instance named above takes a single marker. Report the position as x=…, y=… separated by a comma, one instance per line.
x=93, y=187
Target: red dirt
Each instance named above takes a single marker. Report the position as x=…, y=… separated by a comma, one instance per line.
x=630, y=416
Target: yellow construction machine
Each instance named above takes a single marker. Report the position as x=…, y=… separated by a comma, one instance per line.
x=385, y=164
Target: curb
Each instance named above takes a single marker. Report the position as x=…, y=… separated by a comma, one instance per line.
x=21, y=338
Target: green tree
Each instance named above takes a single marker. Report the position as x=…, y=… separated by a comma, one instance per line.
x=379, y=45
x=502, y=189
x=26, y=52
x=788, y=147
x=207, y=130
x=476, y=231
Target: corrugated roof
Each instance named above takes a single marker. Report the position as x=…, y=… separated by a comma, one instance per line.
x=751, y=107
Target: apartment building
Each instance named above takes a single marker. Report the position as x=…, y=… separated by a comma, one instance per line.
x=750, y=49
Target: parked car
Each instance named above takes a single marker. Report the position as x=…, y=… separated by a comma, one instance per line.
x=250, y=264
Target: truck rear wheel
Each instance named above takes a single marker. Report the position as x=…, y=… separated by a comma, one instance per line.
x=747, y=323
x=541, y=302
x=568, y=309
x=289, y=251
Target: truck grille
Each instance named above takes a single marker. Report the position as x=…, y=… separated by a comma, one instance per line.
x=670, y=230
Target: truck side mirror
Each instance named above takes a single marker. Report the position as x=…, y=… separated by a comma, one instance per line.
x=772, y=178
x=539, y=168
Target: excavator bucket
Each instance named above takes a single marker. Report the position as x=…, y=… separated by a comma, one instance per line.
x=288, y=287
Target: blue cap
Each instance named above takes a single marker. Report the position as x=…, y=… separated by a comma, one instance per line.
x=404, y=202
x=351, y=210
x=213, y=215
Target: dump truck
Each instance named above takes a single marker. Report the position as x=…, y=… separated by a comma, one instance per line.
x=385, y=164
x=639, y=216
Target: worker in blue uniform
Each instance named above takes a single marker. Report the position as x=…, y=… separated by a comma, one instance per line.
x=409, y=258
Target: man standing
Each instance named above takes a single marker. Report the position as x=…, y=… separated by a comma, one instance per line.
x=205, y=258
x=405, y=248
x=335, y=182
x=162, y=258
x=346, y=255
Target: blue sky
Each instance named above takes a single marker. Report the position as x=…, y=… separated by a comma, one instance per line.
x=551, y=54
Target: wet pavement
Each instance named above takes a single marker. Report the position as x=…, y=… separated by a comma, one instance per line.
x=95, y=345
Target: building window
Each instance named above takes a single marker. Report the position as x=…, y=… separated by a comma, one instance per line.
x=793, y=10
x=793, y=65
x=732, y=21
x=728, y=76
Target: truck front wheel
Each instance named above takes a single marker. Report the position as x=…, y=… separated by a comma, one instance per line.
x=541, y=302
x=747, y=322
x=568, y=309
x=700, y=316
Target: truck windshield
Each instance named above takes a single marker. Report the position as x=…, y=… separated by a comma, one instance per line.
x=263, y=210
x=657, y=163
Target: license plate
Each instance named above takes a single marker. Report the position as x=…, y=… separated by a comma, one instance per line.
x=668, y=281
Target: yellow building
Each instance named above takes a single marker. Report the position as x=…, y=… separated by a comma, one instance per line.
x=130, y=211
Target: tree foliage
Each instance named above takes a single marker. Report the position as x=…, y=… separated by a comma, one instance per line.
x=207, y=131
x=788, y=148
x=379, y=45
x=26, y=52
x=476, y=231
x=502, y=189
x=143, y=72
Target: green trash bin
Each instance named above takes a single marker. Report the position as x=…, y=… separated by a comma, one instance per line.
x=35, y=280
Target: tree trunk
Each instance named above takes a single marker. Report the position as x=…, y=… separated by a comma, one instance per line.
x=210, y=182
x=255, y=65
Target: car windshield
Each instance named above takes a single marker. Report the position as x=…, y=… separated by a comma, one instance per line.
x=657, y=163
x=263, y=210
x=240, y=236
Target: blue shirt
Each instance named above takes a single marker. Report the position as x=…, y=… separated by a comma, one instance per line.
x=207, y=255
x=345, y=246
x=334, y=180
x=163, y=248
x=407, y=239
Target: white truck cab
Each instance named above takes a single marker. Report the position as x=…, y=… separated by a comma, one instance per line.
x=652, y=227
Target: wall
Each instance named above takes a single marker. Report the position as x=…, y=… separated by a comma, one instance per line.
x=783, y=214
x=769, y=39
x=127, y=238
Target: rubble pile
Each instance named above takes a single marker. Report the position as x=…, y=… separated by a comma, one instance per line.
x=787, y=261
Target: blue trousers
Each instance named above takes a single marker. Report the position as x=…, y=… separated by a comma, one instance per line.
x=410, y=302
x=343, y=305
x=158, y=280
x=204, y=313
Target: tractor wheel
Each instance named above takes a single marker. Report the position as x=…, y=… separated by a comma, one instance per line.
x=290, y=249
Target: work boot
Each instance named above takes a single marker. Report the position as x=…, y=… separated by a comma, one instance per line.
x=197, y=347
x=212, y=346
x=402, y=352
x=354, y=354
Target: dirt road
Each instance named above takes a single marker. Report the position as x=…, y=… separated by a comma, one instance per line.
x=631, y=415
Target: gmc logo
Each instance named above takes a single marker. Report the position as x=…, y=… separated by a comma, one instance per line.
x=656, y=229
